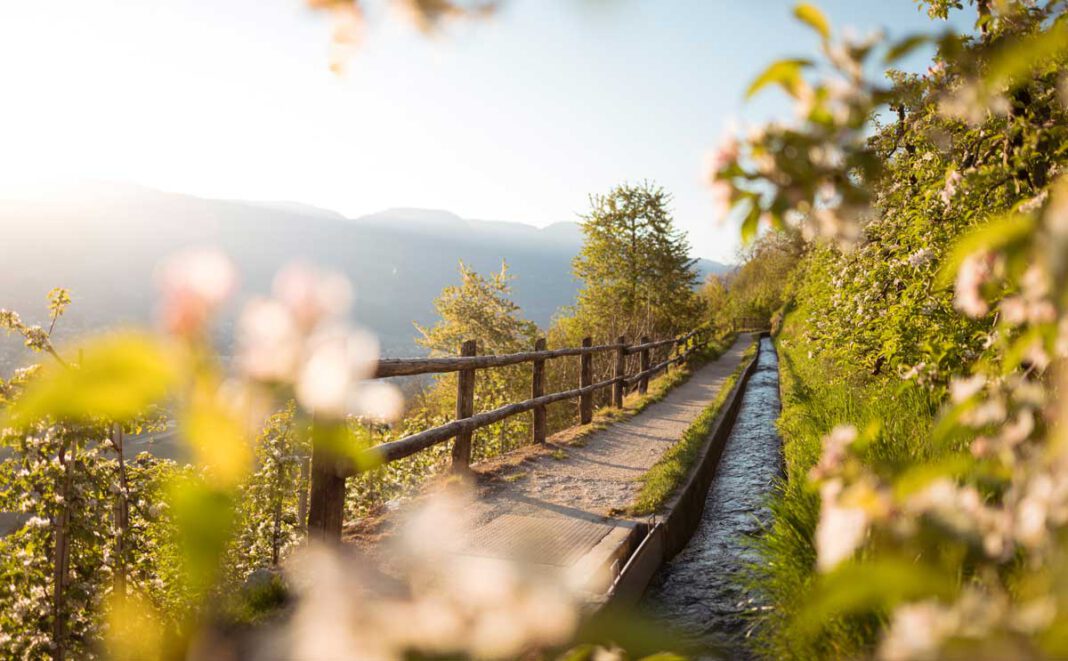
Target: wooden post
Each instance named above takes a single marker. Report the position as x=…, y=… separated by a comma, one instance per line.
x=620, y=372
x=122, y=512
x=643, y=383
x=302, y=496
x=61, y=554
x=465, y=408
x=586, y=379
x=537, y=389
x=326, y=508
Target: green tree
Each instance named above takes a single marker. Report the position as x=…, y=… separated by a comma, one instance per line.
x=481, y=309
x=759, y=287
x=636, y=272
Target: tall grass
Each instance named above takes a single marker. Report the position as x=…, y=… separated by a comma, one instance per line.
x=817, y=395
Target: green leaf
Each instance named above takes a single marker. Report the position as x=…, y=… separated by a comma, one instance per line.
x=917, y=477
x=905, y=46
x=204, y=518
x=1012, y=65
x=751, y=224
x=786, y=73
x=997, y=234
x=875, y=586
x=119, y=376
x=814, y=18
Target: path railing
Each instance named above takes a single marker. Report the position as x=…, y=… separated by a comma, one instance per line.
x=328, y=474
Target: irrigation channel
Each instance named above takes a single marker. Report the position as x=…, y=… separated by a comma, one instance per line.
x=698, y=591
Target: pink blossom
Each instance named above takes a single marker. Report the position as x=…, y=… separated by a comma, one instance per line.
x=721, y=198
x=269, y=344
x=379, y=400
x=312, y=296
x=194, y=283
x=917, y=631
x=964, y=389
x=841, y=528
x=725, y=154
x=950, y=188
x=1033, y=510
x=835, y=445
x=974, y=271
x=335, y=362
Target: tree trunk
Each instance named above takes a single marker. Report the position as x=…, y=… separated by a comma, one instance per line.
x=61, y=556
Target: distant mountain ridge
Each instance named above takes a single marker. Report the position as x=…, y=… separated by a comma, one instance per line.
x=103, y=243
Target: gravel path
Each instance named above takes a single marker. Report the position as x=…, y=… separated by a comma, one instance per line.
x=561, y=504
x=600, y=477
x=593, y=482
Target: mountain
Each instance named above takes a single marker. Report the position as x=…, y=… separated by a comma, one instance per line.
x=103, y=242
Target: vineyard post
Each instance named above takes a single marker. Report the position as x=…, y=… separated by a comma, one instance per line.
x=61, y=554
x=537, y=389
x=280, y=475
x=302, y=496
x=122, y=511
x=327, y=507
x=585, y=380
x=619, y=372
x=643, y=383
x=465, y=408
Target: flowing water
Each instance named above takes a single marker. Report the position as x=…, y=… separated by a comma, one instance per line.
x=697, y=593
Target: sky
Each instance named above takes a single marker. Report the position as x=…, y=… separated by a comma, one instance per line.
x=519, y=117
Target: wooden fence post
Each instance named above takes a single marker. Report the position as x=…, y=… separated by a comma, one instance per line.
x=643, y=383
x=619, y=373
x=586, y=379
x=302, y=497
x=326, y=508
x=465, y=408
x=537, y=389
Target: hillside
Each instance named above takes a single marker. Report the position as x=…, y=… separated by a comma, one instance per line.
x=103, y=242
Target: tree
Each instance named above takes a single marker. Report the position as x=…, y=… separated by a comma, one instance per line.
x=481, y=309
x=638, y=278
x=758, y=288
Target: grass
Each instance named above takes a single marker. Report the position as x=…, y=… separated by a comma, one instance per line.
x=668, y=474
x=817, y=395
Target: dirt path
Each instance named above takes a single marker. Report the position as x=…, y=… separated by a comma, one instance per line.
x=600, y=477
x=557, y=507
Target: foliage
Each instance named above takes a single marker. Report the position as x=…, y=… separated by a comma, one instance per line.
x=274, y=498
x=759, y=287
x=636, y=273
x=481, y=309
x=923, y=514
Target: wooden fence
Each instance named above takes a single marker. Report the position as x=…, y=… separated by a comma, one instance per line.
x=326, y=506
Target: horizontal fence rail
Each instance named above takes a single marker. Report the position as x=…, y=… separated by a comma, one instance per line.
x=329, y=472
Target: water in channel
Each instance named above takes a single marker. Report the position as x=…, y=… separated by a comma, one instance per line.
x=697, y=593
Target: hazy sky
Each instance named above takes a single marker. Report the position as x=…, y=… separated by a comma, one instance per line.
x=516, y=118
